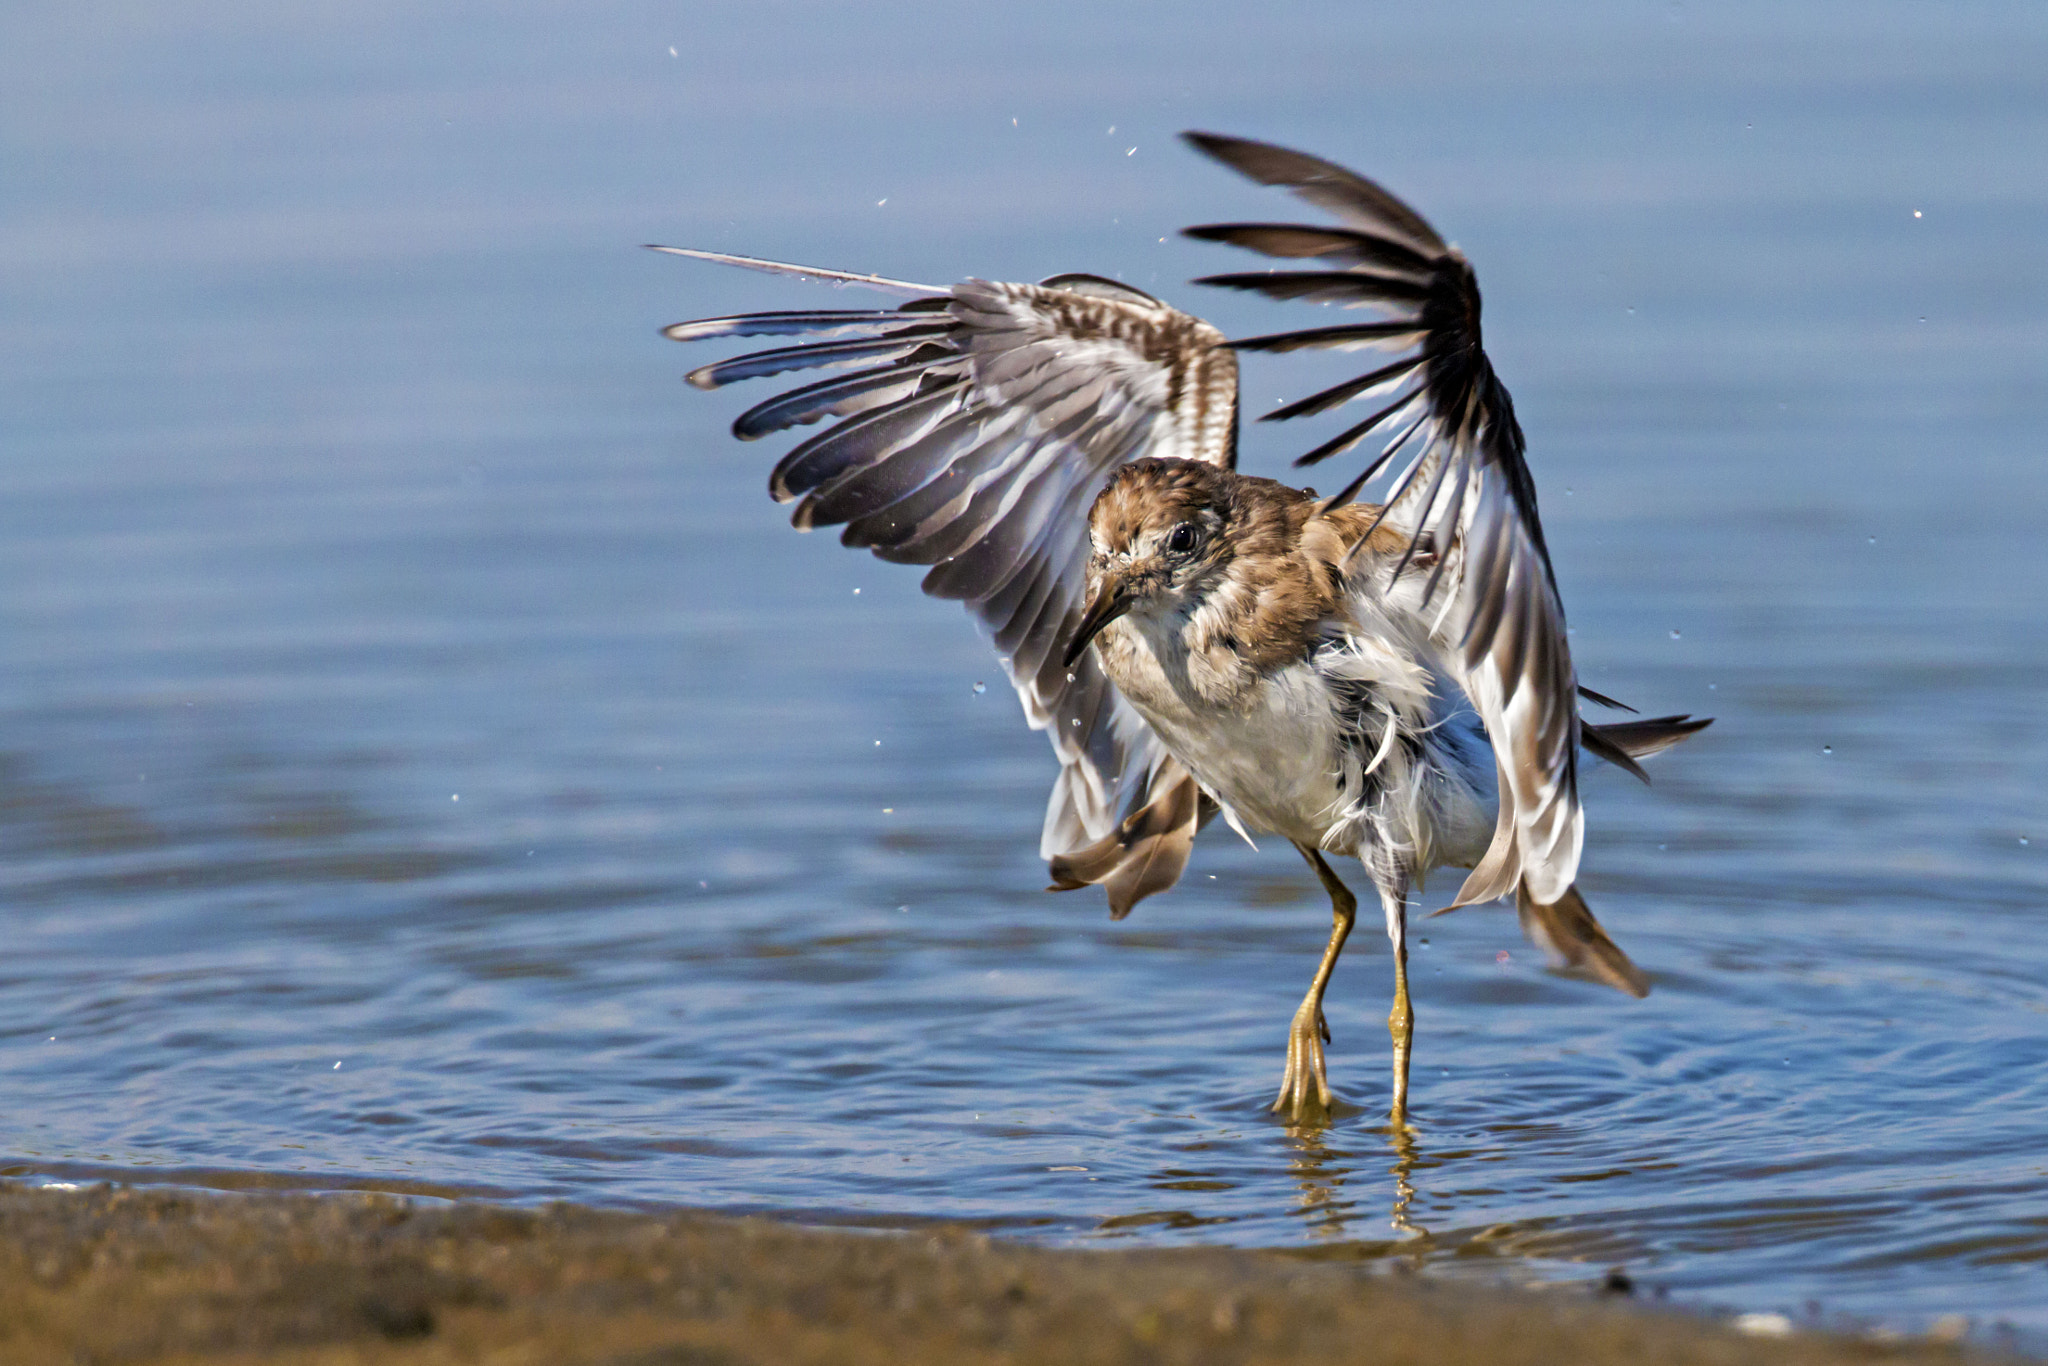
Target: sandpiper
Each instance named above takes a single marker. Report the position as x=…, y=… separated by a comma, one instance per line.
x=1384, y=681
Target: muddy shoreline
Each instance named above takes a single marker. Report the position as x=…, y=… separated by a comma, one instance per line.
x=113, y=1275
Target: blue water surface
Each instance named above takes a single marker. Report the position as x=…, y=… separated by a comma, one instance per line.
x=428, y=764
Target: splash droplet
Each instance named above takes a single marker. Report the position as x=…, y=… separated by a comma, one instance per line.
x=1827, y=749
x=1674, y=633
x=980, y=688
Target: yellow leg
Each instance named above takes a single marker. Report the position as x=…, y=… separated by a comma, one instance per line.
x=1310, y=1031
x=1401, y=1019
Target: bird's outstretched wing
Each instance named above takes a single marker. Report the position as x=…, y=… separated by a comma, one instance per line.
x=1461, y=489
x=973, y=428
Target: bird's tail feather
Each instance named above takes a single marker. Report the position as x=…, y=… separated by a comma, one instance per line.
x=1566, y=930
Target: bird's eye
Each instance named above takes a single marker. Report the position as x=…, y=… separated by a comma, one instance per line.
x=1181, y=540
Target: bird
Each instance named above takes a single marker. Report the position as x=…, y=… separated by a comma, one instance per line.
x=1389, y=681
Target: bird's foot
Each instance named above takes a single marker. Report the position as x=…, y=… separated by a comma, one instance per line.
x=1305, y=1086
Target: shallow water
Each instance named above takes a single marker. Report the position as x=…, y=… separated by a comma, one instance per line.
x=426, y=763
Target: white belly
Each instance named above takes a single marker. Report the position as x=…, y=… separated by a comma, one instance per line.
x=1271, y=755
x=1275, y=761
x=1276, y=757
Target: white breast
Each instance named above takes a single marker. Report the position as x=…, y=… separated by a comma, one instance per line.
x=1272, y=756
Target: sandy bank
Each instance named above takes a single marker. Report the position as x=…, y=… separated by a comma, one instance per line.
x=123, y=1275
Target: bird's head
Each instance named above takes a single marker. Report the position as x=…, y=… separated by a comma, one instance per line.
x=1156, y=539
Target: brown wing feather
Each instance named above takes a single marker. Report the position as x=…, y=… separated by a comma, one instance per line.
x=1566, y=930
x=1148, y=850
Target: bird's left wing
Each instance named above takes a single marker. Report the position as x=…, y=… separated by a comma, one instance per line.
x=1462, y=492
x=974, y=427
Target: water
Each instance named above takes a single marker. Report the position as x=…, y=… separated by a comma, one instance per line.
x=427, y=764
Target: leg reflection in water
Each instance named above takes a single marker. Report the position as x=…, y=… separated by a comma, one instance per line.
x=1322, y=1172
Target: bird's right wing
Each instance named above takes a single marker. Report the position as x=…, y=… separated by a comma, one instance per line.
x=1463, y=493
x=974, y=428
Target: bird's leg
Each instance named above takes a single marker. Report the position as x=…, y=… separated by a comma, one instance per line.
x=1310, y=1031
x=1401, y=1019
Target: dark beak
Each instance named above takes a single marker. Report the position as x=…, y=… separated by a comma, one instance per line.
x=1111, y=602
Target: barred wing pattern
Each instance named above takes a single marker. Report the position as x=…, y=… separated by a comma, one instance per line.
x=1461, y=488
x=973, y=436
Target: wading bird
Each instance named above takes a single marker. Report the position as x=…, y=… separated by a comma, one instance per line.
x=1386, y=681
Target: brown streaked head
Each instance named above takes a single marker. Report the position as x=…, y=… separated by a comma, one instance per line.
x=1159, y=528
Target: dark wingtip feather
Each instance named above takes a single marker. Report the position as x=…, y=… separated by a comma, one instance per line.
x=1601, y=747
x=1601, y=699
x=1323, y=183
x=1335, y=338
x=1354, y=287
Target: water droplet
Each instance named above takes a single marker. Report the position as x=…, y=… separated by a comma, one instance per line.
x=1916, y=213
x=1674, y=633
x=1827, y=749
x=980, y=688
x=455, y=796
x=2023, y=839
x=856, y=592
x=1502, y=957
x=1873, y=540
x=878, y=744
x=1712, y=686
x=337, y=1067
x=888, y=810
x=1077, y=723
